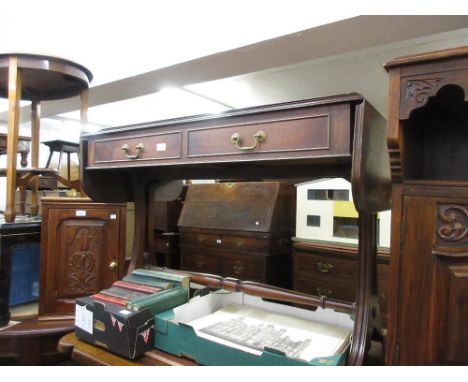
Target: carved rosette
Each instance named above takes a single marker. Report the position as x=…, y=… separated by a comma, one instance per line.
x=82, y=263
x=453, y=223
x=452, y=230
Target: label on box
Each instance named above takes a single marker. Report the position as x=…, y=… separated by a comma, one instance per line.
x=113, y=216
x=83, y=318
x=80, y=213
x=160, y=146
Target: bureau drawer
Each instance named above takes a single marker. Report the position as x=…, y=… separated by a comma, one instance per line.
x=243, y=267
x=154, y=147
x=319, y=132
x=201, y=240
x=237, y=243
x=192, y=260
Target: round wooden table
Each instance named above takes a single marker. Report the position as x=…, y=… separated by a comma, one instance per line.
x=35, y=78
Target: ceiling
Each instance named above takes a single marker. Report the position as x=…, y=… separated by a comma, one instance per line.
x=154, y=71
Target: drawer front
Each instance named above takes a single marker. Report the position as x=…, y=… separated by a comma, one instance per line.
x=245, y=244
x=201, y=240
x=192, y=260
x=155, y=147
x=235, y=243
x=328, y=287
x=243, y=267
x=324, y=131
x=325, y=266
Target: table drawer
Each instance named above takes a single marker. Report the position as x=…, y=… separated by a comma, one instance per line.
x=155, y=147
x=319, y=132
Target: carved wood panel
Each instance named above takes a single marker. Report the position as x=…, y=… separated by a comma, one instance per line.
x=82, y=248
x=416, y=90
x=457, y=315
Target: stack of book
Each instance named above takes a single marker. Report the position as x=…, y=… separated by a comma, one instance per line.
x=121, y=318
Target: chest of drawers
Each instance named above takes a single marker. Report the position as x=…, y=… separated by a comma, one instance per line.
x=331, y=270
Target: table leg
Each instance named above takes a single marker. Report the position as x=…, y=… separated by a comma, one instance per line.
x=35, y=125
x=14, y=96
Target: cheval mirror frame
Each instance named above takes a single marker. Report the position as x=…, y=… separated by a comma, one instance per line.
x=338, y=136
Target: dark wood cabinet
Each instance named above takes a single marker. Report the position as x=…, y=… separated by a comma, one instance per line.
x=82, y=251
x=331, y=270
x=240, y=230
x=428, y=140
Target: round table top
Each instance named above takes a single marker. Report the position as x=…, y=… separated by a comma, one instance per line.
x=45, y=78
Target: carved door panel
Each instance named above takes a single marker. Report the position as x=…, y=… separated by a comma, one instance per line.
x=433, y=282
x=451, y=250
x=83, y=255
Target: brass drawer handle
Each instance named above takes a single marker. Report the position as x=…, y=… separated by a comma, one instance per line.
x=324, y=267
x=139, y=148
x=259, y=137
x=238, y=267
x=323, y=292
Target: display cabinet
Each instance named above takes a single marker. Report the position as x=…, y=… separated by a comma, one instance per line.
x=427, y=140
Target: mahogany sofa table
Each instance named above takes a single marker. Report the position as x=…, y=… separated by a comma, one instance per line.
x=87, y=354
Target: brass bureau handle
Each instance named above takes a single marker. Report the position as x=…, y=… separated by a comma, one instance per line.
x=323, y=292
x=200, y=262
x=324, y=267
x=259, y=137
x=238, y=268
x=139, y=148
x=239, y=243
x=113, y=265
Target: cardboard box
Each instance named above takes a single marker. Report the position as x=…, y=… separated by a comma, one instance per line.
x=114, y=328
x=120, y=318
x=188, y=331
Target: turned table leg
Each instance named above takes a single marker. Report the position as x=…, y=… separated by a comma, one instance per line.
x=14, y=96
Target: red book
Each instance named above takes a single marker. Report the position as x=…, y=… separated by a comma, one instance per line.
x=110, y=299
x=137, y=287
